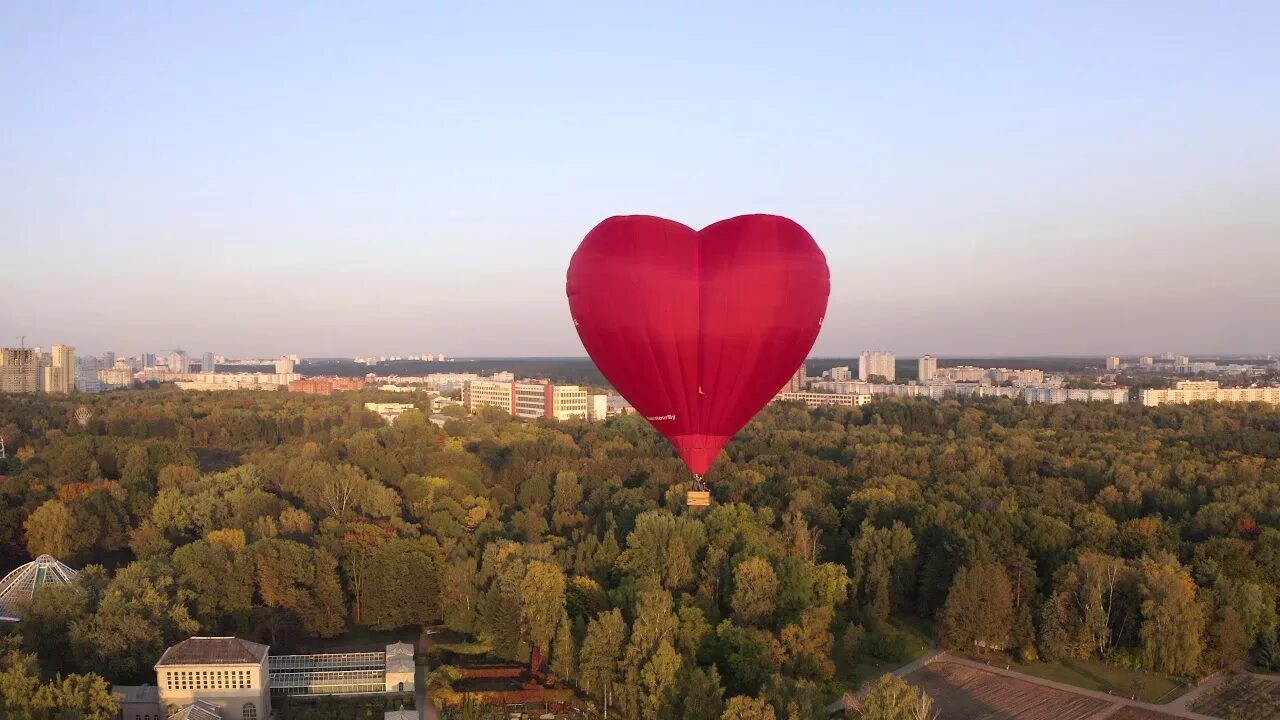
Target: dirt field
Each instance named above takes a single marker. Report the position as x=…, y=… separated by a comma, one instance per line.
x=1253, y=698
x=965, y=693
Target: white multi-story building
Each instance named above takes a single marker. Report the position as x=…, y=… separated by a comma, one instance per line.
x=841, y=387
x=390, y=412
x=60, y=374
x=961, y=373
x=226, y=678
x=1057, y=394
x=877, y=363
x=179, y=361
x=226, y=673
x=1189, y=391
x=567, y=402
x=1113, y=363
x=814, y=399
x=527, y=399
x=489, y=393
x=207, y=365
x=119, y=375
x=927, y=368
x=284, y=365
x=597, y=407
x=839, y=373
x=224, y=381
x=1000, y=376
x=1146, y=361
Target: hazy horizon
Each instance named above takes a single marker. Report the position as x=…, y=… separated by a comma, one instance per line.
x=987, y=181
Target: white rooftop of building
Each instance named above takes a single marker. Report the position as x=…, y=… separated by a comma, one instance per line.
x=20, y=585
x=198, y=710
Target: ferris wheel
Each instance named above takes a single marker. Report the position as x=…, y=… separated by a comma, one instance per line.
x=83, y=415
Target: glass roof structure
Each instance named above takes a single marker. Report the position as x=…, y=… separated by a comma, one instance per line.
x=19, y=585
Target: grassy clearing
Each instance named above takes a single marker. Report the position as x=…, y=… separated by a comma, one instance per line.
x=1103, y=677
x=914, y=638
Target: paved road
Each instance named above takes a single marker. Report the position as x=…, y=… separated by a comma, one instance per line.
x=426, y=709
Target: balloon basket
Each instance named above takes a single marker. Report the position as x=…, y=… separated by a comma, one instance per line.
x=698, y=498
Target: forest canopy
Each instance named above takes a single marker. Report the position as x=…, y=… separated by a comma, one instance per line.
x=1143, y=536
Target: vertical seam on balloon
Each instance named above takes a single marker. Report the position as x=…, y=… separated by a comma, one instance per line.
x=697, y=425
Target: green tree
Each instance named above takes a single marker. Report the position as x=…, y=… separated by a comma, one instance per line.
x=1230, y=644
x=1172, y=620
x=979, y=609
x=74, y=697
x=892, y=698
x=755, y=591
x=402, y=584
x=140, y=614
x=742, y=707
x=564, y=653
x=809, y=646
x=699, y=694
x=601, y=652
x=215, y=581
x=658, y=679
x=51, y=530
x=542, y=595
x=883, y=568
x=46, y=625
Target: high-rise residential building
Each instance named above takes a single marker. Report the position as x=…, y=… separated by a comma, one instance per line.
x=928, y=368
x=877, y=363
x=148, y=360
x=118, y=375
x=838, y=374
x=1147, y=361
x=284, y=365
x=206, y=363
x=179, y=362
x=108, y=359
x=1113, y=363
x=798, y=382
x=60, y=375
x=18, y=370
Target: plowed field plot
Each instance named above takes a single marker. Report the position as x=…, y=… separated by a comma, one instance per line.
x=1248, y=696
x=964, y=693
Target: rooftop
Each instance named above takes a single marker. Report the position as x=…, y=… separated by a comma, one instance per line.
x=20, y=585
x=214, y=651
x=137, y=693
x=198, y=710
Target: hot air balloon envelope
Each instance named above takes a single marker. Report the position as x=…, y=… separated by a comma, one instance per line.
x=698, y=330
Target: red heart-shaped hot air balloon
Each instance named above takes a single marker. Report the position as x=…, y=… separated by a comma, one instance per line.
x=698, y=330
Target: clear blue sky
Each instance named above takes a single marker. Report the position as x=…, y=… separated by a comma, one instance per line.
x=1003, y=178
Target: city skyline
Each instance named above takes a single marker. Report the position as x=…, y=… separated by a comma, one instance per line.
x=995, y=180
